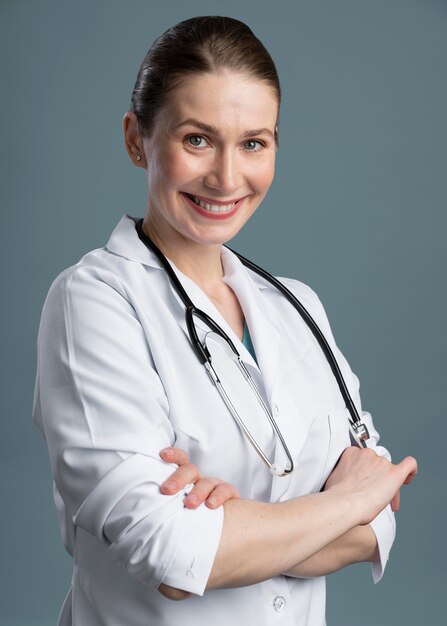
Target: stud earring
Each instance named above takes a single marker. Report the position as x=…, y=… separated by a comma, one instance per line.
x=138, y=157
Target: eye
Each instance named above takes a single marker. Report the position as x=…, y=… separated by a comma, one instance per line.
x=253, y=145
x=197, y=141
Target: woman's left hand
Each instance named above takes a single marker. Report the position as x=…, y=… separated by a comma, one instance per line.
x=213, y=491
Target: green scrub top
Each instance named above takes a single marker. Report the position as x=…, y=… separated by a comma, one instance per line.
x=246, y=340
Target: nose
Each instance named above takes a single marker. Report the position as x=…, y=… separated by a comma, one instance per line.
x=225, y=174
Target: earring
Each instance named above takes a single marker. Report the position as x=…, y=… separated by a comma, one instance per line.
x=138, y=157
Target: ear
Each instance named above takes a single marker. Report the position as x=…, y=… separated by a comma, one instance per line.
x=132, y=140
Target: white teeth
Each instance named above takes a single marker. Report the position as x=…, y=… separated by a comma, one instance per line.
x=215, y=208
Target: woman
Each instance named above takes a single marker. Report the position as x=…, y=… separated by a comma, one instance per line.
x=118, y=380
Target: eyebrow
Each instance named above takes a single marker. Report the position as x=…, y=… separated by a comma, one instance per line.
x=213, y=130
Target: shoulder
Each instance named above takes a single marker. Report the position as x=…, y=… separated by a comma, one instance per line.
x=307, y=297
x=300, y=290
x=97, y=265
x=96, y=278
x=111, y=266
x=90, y=312
x=236, y=264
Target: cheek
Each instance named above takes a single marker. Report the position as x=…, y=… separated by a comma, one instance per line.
x=180, y=168
x=167, y=167
x=264, y=174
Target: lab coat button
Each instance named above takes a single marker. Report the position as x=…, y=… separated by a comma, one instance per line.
x=279, y=603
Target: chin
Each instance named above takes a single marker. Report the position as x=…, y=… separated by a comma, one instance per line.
x=218, y=238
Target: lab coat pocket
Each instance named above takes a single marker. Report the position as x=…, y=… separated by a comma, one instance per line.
x=339, y=440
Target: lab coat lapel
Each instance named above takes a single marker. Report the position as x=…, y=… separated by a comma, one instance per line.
x=272, y=347
x=260, y=318
x=125, y=242
x=202, y=302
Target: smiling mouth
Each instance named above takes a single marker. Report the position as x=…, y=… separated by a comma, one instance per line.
x=213, y=208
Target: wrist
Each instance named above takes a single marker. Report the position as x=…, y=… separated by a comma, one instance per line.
x=350, y=504
x=364, y=545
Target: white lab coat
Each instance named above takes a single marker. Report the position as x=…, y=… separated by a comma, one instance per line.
x=117, y=381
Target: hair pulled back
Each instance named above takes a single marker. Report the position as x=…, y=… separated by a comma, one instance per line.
x=198, y=45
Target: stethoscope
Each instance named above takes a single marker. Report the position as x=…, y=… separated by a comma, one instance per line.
x=358, y=428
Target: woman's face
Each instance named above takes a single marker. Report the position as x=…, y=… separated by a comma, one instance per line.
x=210, y=158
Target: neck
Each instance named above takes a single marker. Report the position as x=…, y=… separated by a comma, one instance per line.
x=200, y=262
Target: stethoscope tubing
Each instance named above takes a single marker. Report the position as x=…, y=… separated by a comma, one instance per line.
x=190, y=310
x=356, y=421
x=360, y=432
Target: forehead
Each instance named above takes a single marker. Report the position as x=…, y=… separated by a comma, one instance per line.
x=227, y=100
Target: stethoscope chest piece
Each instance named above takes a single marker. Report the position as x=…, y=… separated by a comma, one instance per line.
x=243, y=397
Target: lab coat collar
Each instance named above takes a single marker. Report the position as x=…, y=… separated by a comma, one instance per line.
x=124, y=241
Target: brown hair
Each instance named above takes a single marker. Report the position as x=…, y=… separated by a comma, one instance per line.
x=197, y=45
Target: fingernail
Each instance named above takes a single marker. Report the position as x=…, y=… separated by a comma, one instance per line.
x=167, y=452
x=169, y=485
x=193, y=499
x=212, y=501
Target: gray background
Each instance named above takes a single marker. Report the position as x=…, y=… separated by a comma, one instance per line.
x=357, y=210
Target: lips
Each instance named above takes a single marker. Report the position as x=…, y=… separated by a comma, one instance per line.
x=212, y=210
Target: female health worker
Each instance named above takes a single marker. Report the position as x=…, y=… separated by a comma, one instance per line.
x=119, y=383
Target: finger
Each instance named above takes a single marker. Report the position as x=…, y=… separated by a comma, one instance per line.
x=200, y=492
x=213, y=490
x=409, y=478
x=410, y=468
x=183, y=475
x=412, y=474
x=174, y=455
x=221, y=494
x=395, y=502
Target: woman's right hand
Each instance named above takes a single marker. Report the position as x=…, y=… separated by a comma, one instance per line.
x=369, y=480
x=213, y=491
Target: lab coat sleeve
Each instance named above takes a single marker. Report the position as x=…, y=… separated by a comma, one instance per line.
x=104, y=412
x=384, y=525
